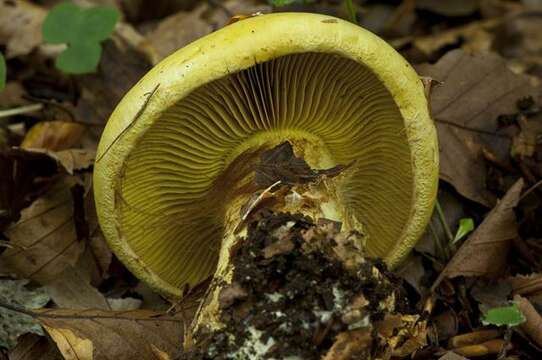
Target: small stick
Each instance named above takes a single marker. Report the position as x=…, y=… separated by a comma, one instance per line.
x=21, y=110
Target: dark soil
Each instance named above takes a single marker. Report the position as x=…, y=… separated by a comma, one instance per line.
x=295, y=297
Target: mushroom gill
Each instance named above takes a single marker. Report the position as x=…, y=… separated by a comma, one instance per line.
x=174, y=192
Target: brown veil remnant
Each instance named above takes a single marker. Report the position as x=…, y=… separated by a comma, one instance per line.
x=173, y=178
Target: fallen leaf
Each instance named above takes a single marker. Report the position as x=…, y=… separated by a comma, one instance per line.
x=452, y=356
x=413, y=272
x=520, y=37
x=525, y=142
x=53, y=135
x=125, y=304
x=449, y=8
x=20, y=26
x=118, y=335
x=121, y=66
x=31, y=347
x=13, y=324
x=526, y=284
x=182, y=28
x=46, y=238
x=23, y=176
x=474, y=36
x=476, y=89
x=72, y=289
x=178, y=30
x=491, y=294
x=74, y=159
x=485, y=251
x=533, y=324
x=69, y=160
x=71, y=347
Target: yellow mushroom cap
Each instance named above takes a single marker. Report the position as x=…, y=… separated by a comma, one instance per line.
x=271, y=78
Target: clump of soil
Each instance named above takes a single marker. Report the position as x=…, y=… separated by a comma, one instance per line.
x=300, y=289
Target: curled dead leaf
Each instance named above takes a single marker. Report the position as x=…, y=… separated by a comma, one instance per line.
x=485, y=251
x=121, y=335
x=476, y=89
x=46, y=237
x=53, y=135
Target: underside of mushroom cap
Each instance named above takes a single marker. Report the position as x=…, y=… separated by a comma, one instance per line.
x=181, y=143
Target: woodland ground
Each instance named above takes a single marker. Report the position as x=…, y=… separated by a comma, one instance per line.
x=483, y=59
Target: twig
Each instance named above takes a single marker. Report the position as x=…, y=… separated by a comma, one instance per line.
x=530, y=190
x=444, y=224
x=21, y=110
x=441, y=248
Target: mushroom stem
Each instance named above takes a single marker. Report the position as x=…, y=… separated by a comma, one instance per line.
x=318, y=199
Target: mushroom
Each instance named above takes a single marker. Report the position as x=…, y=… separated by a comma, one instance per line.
x=175, y=163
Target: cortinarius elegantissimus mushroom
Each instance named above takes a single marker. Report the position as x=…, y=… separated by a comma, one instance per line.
x=166, y=181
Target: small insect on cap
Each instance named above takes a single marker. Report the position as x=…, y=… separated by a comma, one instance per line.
x=161, y=176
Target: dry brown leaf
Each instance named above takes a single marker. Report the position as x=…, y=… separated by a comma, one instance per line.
x=452, y=356
x=533, y=321
x=121, y=66
x=138, y=334
x=476, y=36
x=182, y=28
x=526, y=284
x=475, y=90
x=178, y=30
x=32, y=347
x=22, y=175
x=71, y=289
x=46, y=238
x=485, y=251
x=97, y=256
x=71, y=346
x=74, y=159
x=521, y=38
x=20, y=26
x=53, y=135
x=449, y=8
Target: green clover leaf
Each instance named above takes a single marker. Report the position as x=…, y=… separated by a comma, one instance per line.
x=507, y=315
x=82, y=29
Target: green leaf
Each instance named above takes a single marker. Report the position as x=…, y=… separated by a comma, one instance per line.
x=465, y=227
x=2, y=72
x=79, y=58
x=98, y=23
x=69, y=24
x=82, y=29
x=507, y=315
x=62, y=24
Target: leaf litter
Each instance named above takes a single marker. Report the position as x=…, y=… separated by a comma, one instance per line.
x=485, y=60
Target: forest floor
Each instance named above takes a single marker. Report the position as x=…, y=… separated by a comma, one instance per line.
x=475, y=277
